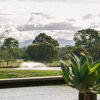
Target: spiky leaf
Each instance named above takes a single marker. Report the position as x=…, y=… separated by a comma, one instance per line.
x=84, y=69
x=83, y=59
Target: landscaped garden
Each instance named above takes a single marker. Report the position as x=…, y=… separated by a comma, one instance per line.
x=79, y=70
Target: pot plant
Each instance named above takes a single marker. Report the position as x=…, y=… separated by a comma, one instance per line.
x=84, y=75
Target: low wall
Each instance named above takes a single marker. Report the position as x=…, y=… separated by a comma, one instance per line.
x=33, y=81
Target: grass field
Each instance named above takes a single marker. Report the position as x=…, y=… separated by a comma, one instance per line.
x=16, y=73
x=17, y=63
x=56, y=63
x=14, y=63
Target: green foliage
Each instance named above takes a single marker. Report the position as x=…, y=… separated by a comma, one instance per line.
x=22, y=52
x=67, y=50
x=10, y=43
x=82, y=74
x=43, y=52
x=94, y=51
x=64, y=51
x=11, y=63
x=86, y=37
x=56, y=63
x=77, y=50
x=8, y=55
x=10, y=49
x=90, y=40
x=42, y=37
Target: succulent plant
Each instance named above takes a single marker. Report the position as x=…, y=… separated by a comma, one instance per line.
x=84, y=75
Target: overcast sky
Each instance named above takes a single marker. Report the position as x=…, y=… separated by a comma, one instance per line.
x=59, y=18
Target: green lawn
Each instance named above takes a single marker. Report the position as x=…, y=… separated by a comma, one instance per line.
x=17, y=63
x=16, y=73
x=56, y=63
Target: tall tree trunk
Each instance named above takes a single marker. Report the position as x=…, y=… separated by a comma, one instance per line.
x=90, y=96
x=81, y=96
x=7, y=63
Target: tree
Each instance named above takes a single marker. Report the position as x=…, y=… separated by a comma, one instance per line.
x=83, y=74
x=10, y=49
x=95, y=51
x=67, y=50
x=6, y=55
x=89, y=39
x=78, y=50
x=86, y=37
x=22, y=52
x=10, y=43
x=64, y=51
x=42, y=37
x=42, y=52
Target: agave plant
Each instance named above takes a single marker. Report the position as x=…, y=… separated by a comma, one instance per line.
x=84, y=75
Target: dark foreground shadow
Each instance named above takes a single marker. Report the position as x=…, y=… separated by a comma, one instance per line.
x=31, y=82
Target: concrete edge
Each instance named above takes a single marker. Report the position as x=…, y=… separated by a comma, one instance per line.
x=31, y=81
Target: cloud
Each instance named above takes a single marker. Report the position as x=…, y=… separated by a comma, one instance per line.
x=62, y=1
x=4, y=20
x=11, y=14
x=71, y=20
x=41, y=14
x=5, y=0
x=39, y=17
x=88, y=16
x=98, y=15
x=45, y=0
x=5, y=14
x=51, y=26
x=94, y=26
x=31, y=34
x=63, y=34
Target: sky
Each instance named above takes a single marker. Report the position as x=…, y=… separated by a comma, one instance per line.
x=61, y=19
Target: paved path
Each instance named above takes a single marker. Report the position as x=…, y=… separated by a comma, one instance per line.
x=39, y=93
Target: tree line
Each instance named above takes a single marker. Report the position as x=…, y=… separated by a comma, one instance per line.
x=43, y=49
x=87, y=41
x=46, y=49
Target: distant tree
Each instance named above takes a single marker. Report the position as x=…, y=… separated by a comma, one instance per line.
x=42, y=52
x=10, y=48
x=90, y=40
x=94, y=51
x=6, y=55
x=10, y=43
x=42, y=37
x=15, y=52
x=78, y=50
x=86, y=37
x=64, y=51
x=22, y=52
